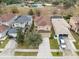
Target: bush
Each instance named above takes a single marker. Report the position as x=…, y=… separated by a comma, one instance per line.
x=14, y=9
x=67, y=17
x=31, y=12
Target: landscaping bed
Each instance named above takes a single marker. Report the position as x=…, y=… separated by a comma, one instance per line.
x=25, y=53
x=24, y=46
x=4, y=42
x=76, y=37
x=53, y=44
x=57, y=53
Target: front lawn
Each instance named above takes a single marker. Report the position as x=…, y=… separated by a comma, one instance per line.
x=25, y=53
x=77, y=53
x=76, y=45
x=57, y=53
x=4, y=42
x=76, y=36
x=53, y=44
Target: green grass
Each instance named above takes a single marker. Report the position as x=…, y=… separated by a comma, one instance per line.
x=76, y=36
x=24, y=46
x=57, y=53
x=4, y=43
x=76, y=44
x=54, y=44
x=25, y=53
x=77, y=53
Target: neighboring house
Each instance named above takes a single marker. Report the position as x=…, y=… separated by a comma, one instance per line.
x=37, y=5
x=3, y=30
x=74, y=23
x=7, y=19
x=12, y=32
x=42, y=23
x=23, y=21
x=46, y=4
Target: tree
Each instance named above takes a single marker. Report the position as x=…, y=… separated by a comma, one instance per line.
x=56, y=2
x=32, y=26
x=38, y=12
x=31, y=12
x=33, y=39
x=68, y=3
x=20, y=36
x=12, y=1
x=67, y=16
x=1, y=11
x=14, y=9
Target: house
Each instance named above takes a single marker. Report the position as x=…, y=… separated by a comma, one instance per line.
x=7, y=19
x=37, y=5
x=74, y=23
x=12, y=32
x=42, y=23
x=22, y=21
x=3, y=30
x=60, y=27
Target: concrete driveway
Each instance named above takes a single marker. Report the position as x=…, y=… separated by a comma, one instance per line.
x=44, y=49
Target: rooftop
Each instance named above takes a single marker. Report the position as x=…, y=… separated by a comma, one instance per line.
x=75, y=19
x=23, y=19
x=42, y=20
x=60, y=26
x=6, y=17
x=3, y=27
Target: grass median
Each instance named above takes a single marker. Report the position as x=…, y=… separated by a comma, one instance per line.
x=26, y=53
x=57, y=53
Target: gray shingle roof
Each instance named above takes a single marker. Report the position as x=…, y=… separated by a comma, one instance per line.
x=23, y=19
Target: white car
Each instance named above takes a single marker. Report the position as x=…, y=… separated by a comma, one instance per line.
x=63, y=45
x=62, y=41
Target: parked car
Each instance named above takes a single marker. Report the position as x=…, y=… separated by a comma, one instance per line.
x=63, y=45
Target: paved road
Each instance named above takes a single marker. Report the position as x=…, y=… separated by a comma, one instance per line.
x=44, y=48
x=9, y=49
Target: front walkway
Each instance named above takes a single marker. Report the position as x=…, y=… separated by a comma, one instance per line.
x=44, y=49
